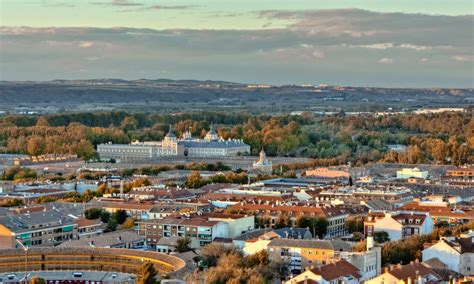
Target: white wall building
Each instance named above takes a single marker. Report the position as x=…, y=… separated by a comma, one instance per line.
x=456, y=253
x=398, y=225
x=211, y=146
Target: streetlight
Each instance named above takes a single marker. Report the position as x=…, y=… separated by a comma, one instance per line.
x=25, y=248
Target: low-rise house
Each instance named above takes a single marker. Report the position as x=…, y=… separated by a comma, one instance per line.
x=414, y=272
x=299, y=254
x=339, y=271
x=43, y=228
x=87, y=227
x=257, y=240
x=441, y=212
x=119, y=239
x=398, y=225
x=238, y=223
x=457, y=253
x=407, y=173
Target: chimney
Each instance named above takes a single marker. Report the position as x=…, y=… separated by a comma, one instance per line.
x=370, y=243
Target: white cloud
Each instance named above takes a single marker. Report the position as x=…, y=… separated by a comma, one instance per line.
x=462, y=58
x=86, y=44
x=386, y=60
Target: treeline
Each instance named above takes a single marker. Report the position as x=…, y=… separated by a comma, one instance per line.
x=445, y=138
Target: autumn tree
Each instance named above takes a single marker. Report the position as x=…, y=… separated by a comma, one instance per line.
x=147, y=274
x=194, y=180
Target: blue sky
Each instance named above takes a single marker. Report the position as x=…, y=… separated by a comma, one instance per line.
x=365, y=43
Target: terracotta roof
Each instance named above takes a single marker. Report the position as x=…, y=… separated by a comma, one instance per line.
x=133, y=206
x=23, y=210
x=318, y=211
x=337, y=270
x=81, y=223
x=225, y=216
x=412, y=270
x=405, y=217
x=439, y=211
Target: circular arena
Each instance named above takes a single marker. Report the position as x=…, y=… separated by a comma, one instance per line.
x=124, y=261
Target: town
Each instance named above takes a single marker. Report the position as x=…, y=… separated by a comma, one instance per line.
x=208, y=210
x=236, y=142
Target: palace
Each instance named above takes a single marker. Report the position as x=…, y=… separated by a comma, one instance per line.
x=211, y=146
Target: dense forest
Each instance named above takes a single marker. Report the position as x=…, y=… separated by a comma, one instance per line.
x=443, y=138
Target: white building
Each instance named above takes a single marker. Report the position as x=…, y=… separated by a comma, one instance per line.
x=338, y=272
x=211, y=146
x=406, y=173
x=238, y=224
x=398, y=225
x=263, y=165
x=456, y=253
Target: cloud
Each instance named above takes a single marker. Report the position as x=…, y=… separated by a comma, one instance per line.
x=386, y=60
x=331, y=46
x=463, y=58
x=118, y=3
x=86, y=44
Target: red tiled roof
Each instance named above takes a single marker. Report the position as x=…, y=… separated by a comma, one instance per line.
x=412, y=270
x=87, y=223
x=336, y=270
x=319, y=211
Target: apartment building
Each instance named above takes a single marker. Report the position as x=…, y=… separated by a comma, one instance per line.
x=336, y=216
x=43, y=228
x=200, y=229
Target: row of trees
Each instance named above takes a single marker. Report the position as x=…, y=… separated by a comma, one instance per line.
x=119, y=217
x=446, y=138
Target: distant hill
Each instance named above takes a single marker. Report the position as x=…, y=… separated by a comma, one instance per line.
x=165, y=95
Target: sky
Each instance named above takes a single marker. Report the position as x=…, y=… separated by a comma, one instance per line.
x=403, y=43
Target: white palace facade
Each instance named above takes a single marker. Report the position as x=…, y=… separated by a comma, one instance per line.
x=211, y=146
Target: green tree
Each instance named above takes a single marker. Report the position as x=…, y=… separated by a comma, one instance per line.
x=104, y=216
x=282, y=221
x=120, y=216
x=381, y=237
x=183, y=244
x=92, y=213
x=321, y=227
x=354, y=224
x=111, y=225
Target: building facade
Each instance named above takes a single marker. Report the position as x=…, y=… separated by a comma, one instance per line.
x=44, y=228
x=202, y=230
x=211, y=146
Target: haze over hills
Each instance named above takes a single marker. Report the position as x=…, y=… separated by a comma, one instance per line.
x=192, y=95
